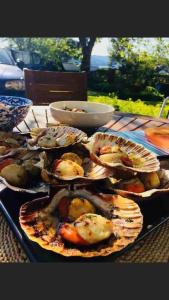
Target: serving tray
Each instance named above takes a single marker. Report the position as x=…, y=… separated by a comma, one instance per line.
x=155, y=212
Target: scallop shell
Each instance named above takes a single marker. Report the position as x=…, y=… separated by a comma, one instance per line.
x=41, y=225
x=39, y=187
x=153, y=193
x=36, y=186
x=58, y=132
x=98, y=140
x=20, y=138
x=93, y=172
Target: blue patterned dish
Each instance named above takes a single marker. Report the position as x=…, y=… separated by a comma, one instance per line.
x=14, y=111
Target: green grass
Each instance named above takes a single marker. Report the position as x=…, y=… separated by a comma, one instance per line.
x=137, y=107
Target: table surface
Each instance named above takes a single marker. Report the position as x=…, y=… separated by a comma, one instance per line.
x=39, y=116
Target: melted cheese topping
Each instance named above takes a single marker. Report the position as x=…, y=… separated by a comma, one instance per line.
x=93, y=228
x=69, y=168
x=73, y=157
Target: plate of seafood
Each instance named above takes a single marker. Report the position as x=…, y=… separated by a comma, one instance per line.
x=70, y=196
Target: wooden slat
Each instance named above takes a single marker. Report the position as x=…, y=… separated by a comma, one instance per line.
x=122, y=123
x=152, y=124
x=119, y=113
x=110, y=124
x=137, y=124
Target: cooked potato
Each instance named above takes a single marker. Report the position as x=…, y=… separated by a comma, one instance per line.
x=68, y=168
x=79, y=207
x=73, y=157
x=15, y=175
x=93, y=228
x=150, y=180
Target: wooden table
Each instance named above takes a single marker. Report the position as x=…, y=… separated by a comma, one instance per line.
x=120, y=121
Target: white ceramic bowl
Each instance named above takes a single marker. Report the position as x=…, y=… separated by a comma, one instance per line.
x=97, y=114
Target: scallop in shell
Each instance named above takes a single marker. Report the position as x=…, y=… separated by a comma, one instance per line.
x=70, y=171
x=130, y=155
x=55, y=137
x=160, y=187
x=21, y=174
x=41, y=223
x=10, y=142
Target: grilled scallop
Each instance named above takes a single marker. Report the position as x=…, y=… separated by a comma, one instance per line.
x=117, y=224
x=73, y=157
x=93, y=228
x=132, y=156
x=47, y=141
x=55, y=137
x=79, y=207
x=69, y=168
x=15, y=174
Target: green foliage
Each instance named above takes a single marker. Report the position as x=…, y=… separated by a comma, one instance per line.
x=130, y=106
x=50, y=49
x=137, y=69
x=98, y=81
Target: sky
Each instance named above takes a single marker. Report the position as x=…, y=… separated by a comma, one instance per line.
x=101, y=48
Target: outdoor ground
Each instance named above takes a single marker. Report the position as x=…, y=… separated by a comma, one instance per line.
x=149, y=108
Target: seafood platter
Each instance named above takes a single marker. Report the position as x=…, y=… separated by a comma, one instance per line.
x=69, y=195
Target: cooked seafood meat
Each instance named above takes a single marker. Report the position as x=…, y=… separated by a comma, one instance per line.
x=91, y=228
x=73, y=157
x=91, y=234
x=75, y=110
x=150, y=180
x=15, y=174
x=67, y=168
x=133, y=185
x=78, y=207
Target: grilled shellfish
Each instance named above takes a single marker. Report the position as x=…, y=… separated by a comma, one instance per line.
x=118, y=222
x=10, y=142
x=143, y=186
x=56, y=137
x=71, y=166
x=20, y=173
x=117, y=152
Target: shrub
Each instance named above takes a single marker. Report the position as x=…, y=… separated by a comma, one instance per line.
x=151, y=94
x=130, y=81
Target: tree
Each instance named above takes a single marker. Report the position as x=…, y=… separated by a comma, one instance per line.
x=54, y=48
x=50, y=49
x=87, y=44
